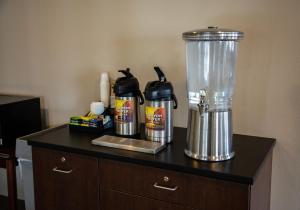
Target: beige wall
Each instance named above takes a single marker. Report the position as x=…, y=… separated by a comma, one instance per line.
x=57, y=48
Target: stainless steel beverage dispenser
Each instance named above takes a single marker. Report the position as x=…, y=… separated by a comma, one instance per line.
x=210, y=59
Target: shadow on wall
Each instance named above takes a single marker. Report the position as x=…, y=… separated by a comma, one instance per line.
x=44, y=114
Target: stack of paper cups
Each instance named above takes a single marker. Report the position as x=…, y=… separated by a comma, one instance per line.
x=104, y=89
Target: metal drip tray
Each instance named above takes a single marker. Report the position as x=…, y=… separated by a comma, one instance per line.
x=129, y=144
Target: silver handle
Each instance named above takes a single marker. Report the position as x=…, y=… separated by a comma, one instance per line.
x=4, y=156
x=156, y=185
x=55, y=169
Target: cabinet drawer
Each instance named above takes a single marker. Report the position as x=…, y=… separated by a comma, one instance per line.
x=64, y=180
x=192, y=191
x=145, y=181
x=63, y=163
x=126, y=201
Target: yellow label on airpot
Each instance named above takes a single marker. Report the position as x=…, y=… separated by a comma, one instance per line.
x=155, y=117
x=124, y=111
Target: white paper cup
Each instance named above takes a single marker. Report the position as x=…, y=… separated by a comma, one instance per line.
x=97, y=108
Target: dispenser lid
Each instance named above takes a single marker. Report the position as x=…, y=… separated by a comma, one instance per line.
x=213, y=34
x=127, y=84
x=160, y=89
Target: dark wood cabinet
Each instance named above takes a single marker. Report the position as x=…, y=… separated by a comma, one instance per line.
x=71, y=173
x=19, y=116
x=71, y=181
x=65, y=181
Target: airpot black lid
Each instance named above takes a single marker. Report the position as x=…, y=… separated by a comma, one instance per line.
x=127, y=85
x=160, y=89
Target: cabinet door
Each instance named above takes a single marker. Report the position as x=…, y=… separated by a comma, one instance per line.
x=115, y=200
x=64, y=181
x=151, y=204
x=209, y=194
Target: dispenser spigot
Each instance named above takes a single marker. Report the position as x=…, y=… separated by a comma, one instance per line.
x=203, y=106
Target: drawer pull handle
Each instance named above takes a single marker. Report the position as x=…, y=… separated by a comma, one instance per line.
x=4, y=156
x=165, y=188
x=55, y=169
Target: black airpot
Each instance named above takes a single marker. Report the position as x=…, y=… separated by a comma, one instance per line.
x=160, y=89
x=128, y=86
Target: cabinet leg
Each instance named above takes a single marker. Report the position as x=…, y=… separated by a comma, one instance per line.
x=11, y=183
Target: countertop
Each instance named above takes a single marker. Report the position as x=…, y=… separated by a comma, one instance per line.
x=250, y=153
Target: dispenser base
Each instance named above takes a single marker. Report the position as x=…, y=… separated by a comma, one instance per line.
x=209, y=158
x=209, y=135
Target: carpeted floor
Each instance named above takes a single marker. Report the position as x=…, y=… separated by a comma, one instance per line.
x=4, y=203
